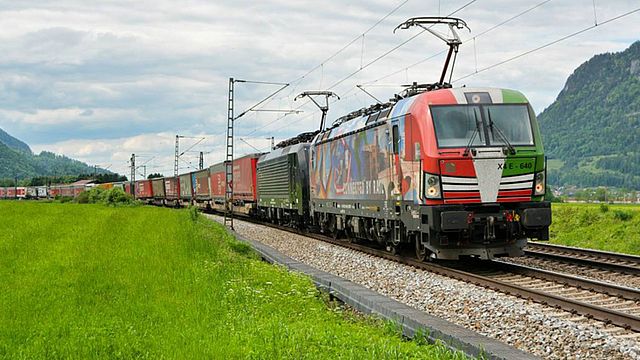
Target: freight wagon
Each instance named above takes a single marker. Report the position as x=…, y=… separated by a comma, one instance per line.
x=157, y=186
x=41, y=192
x=21, y=192
x=3, y=192
x=244, y=184
x=172, y=190
x=186, y=189
x=144, y=190
x=201, y=188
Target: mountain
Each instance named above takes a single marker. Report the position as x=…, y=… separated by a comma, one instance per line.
x=591, y=132
x=13, y=143
x=17, y=160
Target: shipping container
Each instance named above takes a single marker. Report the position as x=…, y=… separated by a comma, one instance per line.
x=119, y=185
x=11, y=192
x=144, y=189
x=217, y=182
x=66, y=190
x=244, y=184
x=31, y=192
x=158, y=188
x=127, y=188
x=54, y=191
x=21, y=192
x=200, y=181
x=172, y=188
x=186, y=189
x=3, y=193
x=105, y=186
x=41, y=192
x=77, y=189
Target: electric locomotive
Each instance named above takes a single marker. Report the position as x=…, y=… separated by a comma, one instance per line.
x=452, y=171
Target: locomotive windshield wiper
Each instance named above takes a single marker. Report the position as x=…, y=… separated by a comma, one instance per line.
x=476, y=131
x=493, y=126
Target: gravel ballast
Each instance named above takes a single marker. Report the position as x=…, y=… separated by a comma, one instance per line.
x=531, y=327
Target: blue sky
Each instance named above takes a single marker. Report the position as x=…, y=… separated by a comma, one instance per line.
x=98, y=81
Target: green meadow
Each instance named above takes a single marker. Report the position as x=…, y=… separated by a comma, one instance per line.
x=92, y=281
x=597, y=226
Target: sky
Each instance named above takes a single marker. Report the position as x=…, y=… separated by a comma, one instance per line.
x=100, y=80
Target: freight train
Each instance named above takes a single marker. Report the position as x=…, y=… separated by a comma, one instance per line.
x=451, y=172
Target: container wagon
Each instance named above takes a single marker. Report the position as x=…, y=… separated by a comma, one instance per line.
x=172, y=190
x=157, y=186
x=144, y=189
x=186, y=189
x=201, y=189
x=244, y=184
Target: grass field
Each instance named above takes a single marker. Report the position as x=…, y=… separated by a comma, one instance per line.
x=604, y=227
x=90, y=281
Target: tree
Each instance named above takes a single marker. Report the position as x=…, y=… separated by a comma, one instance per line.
x=155, y=176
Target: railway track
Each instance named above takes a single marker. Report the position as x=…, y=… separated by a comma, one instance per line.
x=591, y=299
x=602, y=260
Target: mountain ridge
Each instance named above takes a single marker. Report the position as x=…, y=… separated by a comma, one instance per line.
x=592, y=130
x=18, y=161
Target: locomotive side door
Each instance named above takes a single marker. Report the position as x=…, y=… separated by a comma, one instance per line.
x=395, y=170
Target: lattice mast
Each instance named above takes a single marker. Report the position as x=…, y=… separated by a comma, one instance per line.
x=228, y=164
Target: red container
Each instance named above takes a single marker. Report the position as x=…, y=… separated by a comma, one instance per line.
x=54, y=191
x=127, y=188
x=77, y=190
x=144, y=189
x=66, y=191
x=11, y=192
x=200, y=181
x=244, y=178
x=172, y=188
x=3, y=192
x=216, y=182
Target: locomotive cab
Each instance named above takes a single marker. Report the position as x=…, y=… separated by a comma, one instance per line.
x=483, y=175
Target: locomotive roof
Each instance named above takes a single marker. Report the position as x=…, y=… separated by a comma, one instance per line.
x=451, y=96
x=274, y=154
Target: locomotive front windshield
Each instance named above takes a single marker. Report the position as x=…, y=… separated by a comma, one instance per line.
x=482, y=125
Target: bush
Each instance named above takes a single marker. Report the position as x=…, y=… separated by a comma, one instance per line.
x=113, y=196
x=117, y=196
x=194, y=213
x=622, y=215
x=604, y=208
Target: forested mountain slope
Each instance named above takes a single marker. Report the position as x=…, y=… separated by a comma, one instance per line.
x=17, y=161
x=592, y=130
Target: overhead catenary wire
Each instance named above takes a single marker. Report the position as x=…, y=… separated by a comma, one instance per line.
x=583, y=30
x=463, y=42
x=378, y=58
x=332, y=56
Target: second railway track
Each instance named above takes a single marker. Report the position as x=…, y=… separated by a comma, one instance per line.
x=608, y=261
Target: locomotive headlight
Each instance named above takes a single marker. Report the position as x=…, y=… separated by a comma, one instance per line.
x=539, y=186
x=432, y=183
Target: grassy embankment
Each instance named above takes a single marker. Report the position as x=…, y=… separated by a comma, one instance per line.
x=603, y=227
x=89, y=281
